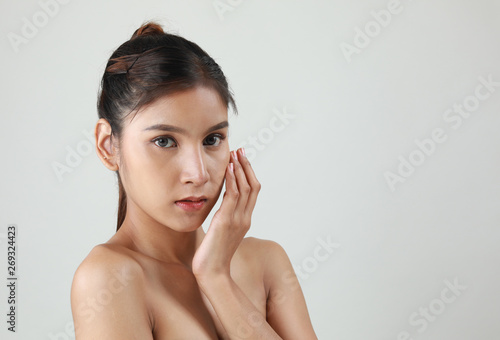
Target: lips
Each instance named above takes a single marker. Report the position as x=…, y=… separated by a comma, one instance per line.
x=192, y=203
x=193, y=199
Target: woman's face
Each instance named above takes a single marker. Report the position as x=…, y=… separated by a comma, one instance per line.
x=174, y=157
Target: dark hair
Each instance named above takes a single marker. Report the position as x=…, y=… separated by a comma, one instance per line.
x=148, y=66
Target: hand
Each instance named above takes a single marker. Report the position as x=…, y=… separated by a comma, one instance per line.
x=231, y=222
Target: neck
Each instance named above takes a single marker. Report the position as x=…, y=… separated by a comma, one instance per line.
x=148, y=237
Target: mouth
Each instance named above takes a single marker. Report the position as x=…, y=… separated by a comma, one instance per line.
x=193, y=199
x=191, y=203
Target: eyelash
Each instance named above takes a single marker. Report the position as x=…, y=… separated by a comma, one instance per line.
x=218, y=135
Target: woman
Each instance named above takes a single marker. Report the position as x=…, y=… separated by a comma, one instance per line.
x=163, y=129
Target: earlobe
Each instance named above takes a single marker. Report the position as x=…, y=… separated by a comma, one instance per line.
x=104, y=144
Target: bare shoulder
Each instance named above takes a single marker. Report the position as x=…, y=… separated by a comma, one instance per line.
x=286, y=308
x=261, y=247
x=269, y=255
x=106, y=293
x=102, y=264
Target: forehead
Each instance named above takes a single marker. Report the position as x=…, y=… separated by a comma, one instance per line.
x=192, y=108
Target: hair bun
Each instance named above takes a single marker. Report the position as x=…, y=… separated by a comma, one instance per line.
x=150, y=28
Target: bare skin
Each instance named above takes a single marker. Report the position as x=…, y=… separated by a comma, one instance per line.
x=160, y=276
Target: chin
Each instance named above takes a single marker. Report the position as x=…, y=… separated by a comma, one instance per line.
x=189, y=222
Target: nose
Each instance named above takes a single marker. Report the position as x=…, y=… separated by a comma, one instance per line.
x=194, y=169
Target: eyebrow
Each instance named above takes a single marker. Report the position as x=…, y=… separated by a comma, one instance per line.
x=172, y=128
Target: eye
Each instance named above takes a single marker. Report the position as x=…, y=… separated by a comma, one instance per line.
x=214, y=140
x=165, y=142
x=169, y=142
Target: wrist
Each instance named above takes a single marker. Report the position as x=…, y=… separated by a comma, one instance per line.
x=213, y=279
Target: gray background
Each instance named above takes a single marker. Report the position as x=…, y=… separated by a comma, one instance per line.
x=323, y=171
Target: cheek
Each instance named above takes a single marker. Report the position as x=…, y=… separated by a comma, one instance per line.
x=218, y=165
x=149, y=173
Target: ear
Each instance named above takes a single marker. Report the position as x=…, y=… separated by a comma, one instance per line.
x=105, y=148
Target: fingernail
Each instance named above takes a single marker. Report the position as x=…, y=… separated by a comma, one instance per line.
x=243, y=152
x=231, y=167
x=234, y=154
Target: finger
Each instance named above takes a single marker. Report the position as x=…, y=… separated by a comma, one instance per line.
x=251, y=180
x=231, y=194
x=243, y=186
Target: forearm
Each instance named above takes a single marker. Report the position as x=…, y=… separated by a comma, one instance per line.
x=238, y=315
